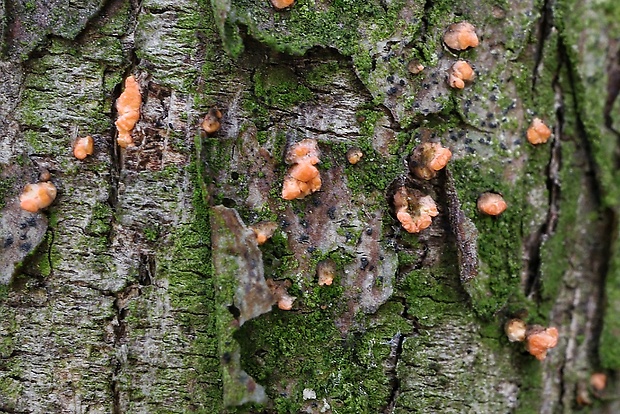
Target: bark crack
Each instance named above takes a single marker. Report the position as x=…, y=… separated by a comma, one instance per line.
x=544, y=30
x=391, y=364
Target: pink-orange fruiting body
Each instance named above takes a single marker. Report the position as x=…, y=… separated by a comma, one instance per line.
x=414, y=67
x=598, y=381
x=539, y=340
x=326, y=271
x=282, y=4
x=211, y=121
x=128, y=107
x=491, y=204
x=413, y=209
x=461, y=36
x=515, y=330
x=354, y=155
x=264, y=230
x=303, y=177
x=428, y=158
x=460, y=73
x=538, y=132
x=83, y=147
x=37, y=196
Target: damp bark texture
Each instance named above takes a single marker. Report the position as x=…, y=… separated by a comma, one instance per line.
x=141, y=289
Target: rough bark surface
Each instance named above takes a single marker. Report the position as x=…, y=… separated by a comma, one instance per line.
x=125, y=296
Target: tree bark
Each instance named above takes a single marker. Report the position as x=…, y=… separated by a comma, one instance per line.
x=142, y=288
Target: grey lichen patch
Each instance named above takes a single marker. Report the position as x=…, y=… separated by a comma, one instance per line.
x=32, y=21
x=21, y=232
x=241, y=295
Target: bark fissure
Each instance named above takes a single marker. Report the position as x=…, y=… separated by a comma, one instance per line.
x=613, y=88
x=396, y=349
x=544, y=30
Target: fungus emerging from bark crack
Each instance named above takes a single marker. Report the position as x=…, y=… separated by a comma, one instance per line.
x=460, y=73
x=211, y=121
x=303, y=177
x=264, y=230
x=282, y=4
x=538, y=132
x=461, y=36
x=279, y=291
x=491, y=204
x=354, y=155
x=428, y=158
x=413, y=209
x=37, y=196
x=83, y=147
x=539, y=340
x=128, y=107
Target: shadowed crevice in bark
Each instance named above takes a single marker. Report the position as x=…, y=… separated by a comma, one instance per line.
x=545, y=26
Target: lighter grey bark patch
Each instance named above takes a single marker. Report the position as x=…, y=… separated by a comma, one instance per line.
x=21, y=233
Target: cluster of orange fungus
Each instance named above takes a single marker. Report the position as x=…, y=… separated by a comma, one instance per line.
x=460, y=73
x=428, y=158
x=37, y=196
x=413, y=209
x=303, y=177
x=491, y=204
x=538, y=132
x=211, y=121
x=83, y=147
x=264, y=230
x=282, y=4
x=461, y=36
x=538, y=339
x=128, y=107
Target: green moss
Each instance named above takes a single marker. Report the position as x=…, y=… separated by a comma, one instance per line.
x=288, y=352
x=6, y=184
x=101, y=220
x=279, y=87
x=499, y=238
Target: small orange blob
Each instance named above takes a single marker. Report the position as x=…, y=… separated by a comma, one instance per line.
x=598, y=381
x=45, y=175
x=282, y=4
x=128, y=107
x=83, y=147
x=354, y=155
x=461, y=36
x=37, y=196
x=515, y=330
x=211, y=121
x=413, y=209
x=264, y=230
x=539, y=340
x=491, y=204
x=460, y=73
x=414, y=67
x=280, y=294
x=303, y=177
x=538, y=132
x=326, y=270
